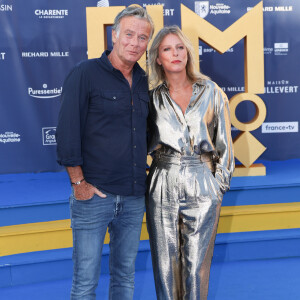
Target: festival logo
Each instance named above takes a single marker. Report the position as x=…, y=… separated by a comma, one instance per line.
x=49, y=136
x=10, y=137
x=2, y=55
x=51, y=13
x=44, y=93
x=279, y=127
x=103, y=3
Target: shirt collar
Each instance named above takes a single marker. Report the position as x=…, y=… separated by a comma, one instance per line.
x=105, y=60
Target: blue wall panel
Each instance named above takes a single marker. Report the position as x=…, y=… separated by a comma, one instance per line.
x=38, y=50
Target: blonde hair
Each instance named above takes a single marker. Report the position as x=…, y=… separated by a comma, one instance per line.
x=157, y=72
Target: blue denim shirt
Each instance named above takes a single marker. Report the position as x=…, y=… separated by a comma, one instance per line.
x=102, y=126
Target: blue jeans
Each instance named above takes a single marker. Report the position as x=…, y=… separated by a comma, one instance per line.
x=123, y=215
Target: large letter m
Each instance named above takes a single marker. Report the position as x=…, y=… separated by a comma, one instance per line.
x=249, y=27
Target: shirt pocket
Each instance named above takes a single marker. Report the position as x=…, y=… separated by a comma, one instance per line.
x=115, y=103
x=144, y=103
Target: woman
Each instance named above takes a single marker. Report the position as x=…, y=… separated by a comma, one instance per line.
x=190, y=133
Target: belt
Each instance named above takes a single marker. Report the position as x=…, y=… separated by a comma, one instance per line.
x=179, y=159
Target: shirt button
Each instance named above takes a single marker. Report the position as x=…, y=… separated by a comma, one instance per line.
x=134, y=164
x=133, y=128
x=135, y=181
x=134, y=146
x=114, y=97
x=133, y=110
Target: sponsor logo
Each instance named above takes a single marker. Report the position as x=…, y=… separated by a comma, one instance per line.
x=156, y=3
x=275, y=8
x=232, y=89
x=51, y=13
x=49, y=136
x=167, y=12
x=45, y=54
x=2, y=55
x=203, y=50
x=281, y=48
x=279, y=127
x=103, y=3
x=10, y=137
x=268, y=50
x=5, y=7
x=44, y=93
x=280, y=87
x=200, y=50
x=284, y=8
x=203, y=8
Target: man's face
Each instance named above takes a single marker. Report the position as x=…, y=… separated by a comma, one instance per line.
x=132, y=41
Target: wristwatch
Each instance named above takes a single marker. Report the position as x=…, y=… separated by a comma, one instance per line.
x=77, y=182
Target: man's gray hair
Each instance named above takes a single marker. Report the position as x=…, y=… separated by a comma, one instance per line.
x=133, y=11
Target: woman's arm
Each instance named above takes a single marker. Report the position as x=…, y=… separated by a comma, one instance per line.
x=223, y=142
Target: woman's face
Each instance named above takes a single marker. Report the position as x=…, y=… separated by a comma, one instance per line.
x=172, y=54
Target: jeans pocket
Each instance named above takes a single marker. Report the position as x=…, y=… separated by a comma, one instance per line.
x=72, y=197
x=85, y=200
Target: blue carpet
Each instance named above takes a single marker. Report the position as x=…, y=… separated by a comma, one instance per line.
x=60, y=290
x=27, y=198
x=42, y=197
x=256, y=280
x=246, y=280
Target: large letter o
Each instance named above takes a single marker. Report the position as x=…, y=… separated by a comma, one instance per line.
x=260, y=114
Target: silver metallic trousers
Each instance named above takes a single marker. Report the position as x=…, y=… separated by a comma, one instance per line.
x=183, y=207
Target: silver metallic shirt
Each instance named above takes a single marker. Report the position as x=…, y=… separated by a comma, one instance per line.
x=204, y=128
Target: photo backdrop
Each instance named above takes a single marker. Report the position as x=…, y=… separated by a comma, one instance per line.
x=41, y=40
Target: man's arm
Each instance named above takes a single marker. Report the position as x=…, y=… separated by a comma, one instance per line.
x=82, y=190
x=71, y=120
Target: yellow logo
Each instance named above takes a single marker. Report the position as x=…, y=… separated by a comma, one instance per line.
x=249, y=28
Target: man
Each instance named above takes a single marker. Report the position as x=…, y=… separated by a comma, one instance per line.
x=101, y=139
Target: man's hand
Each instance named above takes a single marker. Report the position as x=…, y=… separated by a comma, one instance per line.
x=85, y=191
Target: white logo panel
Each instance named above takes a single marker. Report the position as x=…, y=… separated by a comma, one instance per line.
x=202, y=8
x=279, y=127
x=49, y=136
